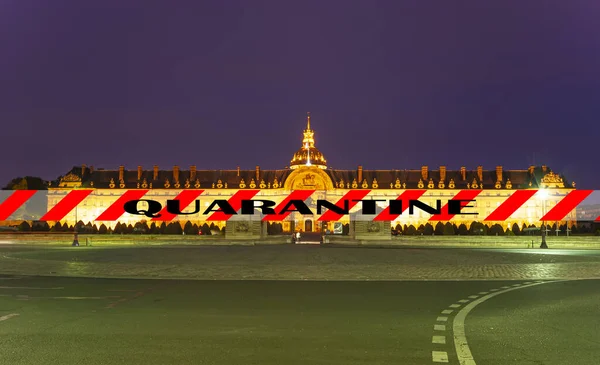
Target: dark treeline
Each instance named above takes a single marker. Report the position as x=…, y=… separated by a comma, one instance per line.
x=122, y=228
x=275, y=228
x=481, y=229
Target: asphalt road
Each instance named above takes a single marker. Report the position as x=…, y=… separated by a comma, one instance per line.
x=51, y=320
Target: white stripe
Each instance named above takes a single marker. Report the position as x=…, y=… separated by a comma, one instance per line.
x=454, y=305
x=505, y=287
x=439, y=327
x=465, y=357
x=447, y=311
x=8, y=316
x=439, y=339
x=483, y=292
x=463, y=301
x=473, y=296
x=494, y=289
x=442, y=319
x=439, y=356
x=517, y=284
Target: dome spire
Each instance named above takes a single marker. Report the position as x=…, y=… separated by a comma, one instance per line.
x=308, y=155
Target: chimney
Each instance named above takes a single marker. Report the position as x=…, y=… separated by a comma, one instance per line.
x=257, y=172
x=238, y=171
x=175, y=173
x=498, y=173
x=83, y=166
x=359, y=174
x=193, y=172
x=121, y=172
x=155, y=177
x=463, y=173
x=139, y=173
x=442, y=173
x=424, y=172
x=531, y=169
x=480, y=173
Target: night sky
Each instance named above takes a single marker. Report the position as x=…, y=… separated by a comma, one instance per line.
x=220, y=84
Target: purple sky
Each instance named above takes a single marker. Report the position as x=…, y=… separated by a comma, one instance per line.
x=219, y=84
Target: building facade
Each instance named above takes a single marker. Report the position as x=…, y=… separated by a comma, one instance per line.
x=308, y=170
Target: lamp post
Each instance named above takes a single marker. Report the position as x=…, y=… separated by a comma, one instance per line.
x=543, y=195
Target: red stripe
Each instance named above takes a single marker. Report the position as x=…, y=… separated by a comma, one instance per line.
x=510, y=205
x=236, y=203
x=405, y=197
x=185, y=198
x=14, y=202
x=116, y=210
x=66, y=205
x=295, y=195
x=598, y=219
x=566, y=205
x=462, y=195
x=330, y=215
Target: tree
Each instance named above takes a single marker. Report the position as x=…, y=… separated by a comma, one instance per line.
x=462, y=230
x=24, y=227
x=478, y=229
x=411, y=230
x=428, y=229
x=56, y=228
x=439, y=228
x=154, y=229
x=102, y=229
x=205, y=229
x=163, y=228
x=448, y=229
x=515, y=229
x=189, y=228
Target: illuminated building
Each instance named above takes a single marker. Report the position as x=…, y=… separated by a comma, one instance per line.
x=308, y=170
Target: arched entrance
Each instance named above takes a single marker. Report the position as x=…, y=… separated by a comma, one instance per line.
x=308, y=225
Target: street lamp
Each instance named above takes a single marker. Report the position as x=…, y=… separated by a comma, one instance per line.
x=543, y=196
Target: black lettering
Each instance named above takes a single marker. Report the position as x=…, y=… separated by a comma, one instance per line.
x=266, y=206
x=369, y=206
x=424, y=207
x=153, y=208
x=330, y=206
x=174, y=207
x=455, y=207
x=395, y=207
x=224, y=207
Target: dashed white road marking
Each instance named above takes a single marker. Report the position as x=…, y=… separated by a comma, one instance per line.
x=439, y=327
x=8, y=316
x=517, y=284
x=439, y=356
x=473, y=296
x=483, y=292
x=454, y=306
x=447, y=311
x=464, y=301
x=505, y=287
x=465, y=357
x=442, y=319
x=439, y=339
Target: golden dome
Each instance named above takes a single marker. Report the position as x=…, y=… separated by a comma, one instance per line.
x=308, y=154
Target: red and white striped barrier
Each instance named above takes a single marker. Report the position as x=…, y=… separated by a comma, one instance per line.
x=365, y=204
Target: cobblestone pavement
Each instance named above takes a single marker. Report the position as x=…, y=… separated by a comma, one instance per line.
x=302, y=263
